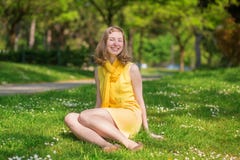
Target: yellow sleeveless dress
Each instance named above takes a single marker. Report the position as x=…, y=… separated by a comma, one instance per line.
x=123, y=106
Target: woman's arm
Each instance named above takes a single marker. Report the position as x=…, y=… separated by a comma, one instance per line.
x=98, y=97
x=137, y=87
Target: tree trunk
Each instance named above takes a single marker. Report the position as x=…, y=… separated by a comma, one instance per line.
x=109, y=18
x=130, y=42
x=16, y=42
x=32, y=34
x=198, y=38
x=49, y=39
x=11, y=41
x=12, y=36
x=209, y=59
x=140, y=49
x=182, y=51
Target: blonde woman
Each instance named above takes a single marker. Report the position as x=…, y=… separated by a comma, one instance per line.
x=120, y=110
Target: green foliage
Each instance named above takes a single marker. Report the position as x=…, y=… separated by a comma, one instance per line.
x=197, y=112
x=139, y=14
x=209, y=18
x=75, y=23
x=52, y=57
x=66, y=17
x=228, y=42
x=210, y=51
x=156, y=51
x=107, y=10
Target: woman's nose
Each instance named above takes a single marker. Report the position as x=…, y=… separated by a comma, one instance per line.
x=116, y=43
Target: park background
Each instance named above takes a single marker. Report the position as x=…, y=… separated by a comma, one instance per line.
x=195, y=33
x=191, y=46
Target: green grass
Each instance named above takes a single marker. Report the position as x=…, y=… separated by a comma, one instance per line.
x=25, y=73
x=197, y=112
x=157, y=72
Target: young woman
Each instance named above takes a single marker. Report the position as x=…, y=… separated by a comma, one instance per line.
x=120, y=110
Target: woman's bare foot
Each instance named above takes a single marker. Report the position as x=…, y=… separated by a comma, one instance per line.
x=135, y=146
x=138, y=147
x=111, y=148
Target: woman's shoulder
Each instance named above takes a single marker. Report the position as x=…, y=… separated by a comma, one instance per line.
x=133, y=67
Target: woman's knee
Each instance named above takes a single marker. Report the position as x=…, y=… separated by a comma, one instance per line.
x=84, y=117
x=89, y=117
x=70, y=117
x=92, y=117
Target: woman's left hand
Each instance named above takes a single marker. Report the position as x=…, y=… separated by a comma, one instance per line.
x=156, y=136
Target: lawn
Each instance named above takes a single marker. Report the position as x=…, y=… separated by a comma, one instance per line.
x=197, y=112
x=25, y=73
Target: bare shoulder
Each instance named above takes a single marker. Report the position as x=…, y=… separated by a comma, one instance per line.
x=134, y=72
x=134, y=68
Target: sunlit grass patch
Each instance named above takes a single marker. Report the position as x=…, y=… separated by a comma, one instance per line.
x=25, y=73
x=199, y=117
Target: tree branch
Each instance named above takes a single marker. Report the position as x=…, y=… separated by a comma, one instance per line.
x=99, y=10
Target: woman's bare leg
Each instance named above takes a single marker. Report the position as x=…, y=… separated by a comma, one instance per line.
x=102, y=123
x=83, y=132
x=94, y=125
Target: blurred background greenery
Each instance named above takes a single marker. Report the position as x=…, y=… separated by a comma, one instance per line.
x=160, y=33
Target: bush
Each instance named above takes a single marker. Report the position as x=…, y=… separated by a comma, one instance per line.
x=52, y=57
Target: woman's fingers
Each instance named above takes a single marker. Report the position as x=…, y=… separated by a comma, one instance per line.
x=156, y=136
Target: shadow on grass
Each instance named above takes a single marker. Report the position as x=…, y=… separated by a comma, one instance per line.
x=88, y=150
x=231, y=75
x=22, y=144
x=70, y=136
x=208, y=113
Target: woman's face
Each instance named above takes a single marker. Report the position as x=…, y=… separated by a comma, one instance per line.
x=115, y=43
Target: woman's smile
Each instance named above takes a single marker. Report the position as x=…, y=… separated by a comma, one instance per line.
x=115, y=43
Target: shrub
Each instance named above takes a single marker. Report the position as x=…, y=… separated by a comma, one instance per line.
x=51, y=57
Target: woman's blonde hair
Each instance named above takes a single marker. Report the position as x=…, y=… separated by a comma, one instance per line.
x=101, y=54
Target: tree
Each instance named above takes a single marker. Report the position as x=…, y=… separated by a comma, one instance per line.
x=13, y=13
x=178, y=14
x=108, y=9
x=234, y=10
x=158, y=50
x=209, y=21
x=138, y=18
x=60, y=14
x=228, y=38
x=191, y=18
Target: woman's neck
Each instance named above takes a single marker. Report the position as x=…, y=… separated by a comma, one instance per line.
x=112, y=59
